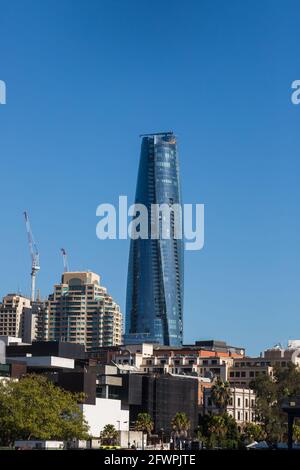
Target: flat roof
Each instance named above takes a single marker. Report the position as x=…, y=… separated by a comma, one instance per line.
x=51, y=362
x=157, y=133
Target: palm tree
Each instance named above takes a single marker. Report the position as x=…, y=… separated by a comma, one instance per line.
x=109, y=436
x=217, y=429
x=144, y=423
x=217, y=426
x=180, y=425
x=221, y=394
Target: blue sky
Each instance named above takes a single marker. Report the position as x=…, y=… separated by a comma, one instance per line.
x=84, y=79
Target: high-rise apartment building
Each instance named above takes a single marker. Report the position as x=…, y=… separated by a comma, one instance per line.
x=154, y=306
x=17, y=318
x=40, y=309
x=81, y=311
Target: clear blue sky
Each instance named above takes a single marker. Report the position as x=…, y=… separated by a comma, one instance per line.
x=85, y=78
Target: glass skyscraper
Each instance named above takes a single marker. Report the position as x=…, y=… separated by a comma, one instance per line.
x=154, y=305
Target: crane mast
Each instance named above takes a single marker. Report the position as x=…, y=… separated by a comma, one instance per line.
x=35, y=257
x=65, y=260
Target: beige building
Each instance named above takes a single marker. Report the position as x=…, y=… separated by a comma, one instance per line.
x=17, y=318
x=133, y=355
x=244, y=370
x=152, y=359
x=188, y=364
x=81, y=311
x=282, y=356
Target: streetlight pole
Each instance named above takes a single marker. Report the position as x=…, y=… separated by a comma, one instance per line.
x=162, y=438
x=132, y=423
x=128, y=436
x=119, y=429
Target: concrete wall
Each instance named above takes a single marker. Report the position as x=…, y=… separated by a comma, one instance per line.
x=132, y=437
x=40, y=444
x=105, y=411
x=126, y=437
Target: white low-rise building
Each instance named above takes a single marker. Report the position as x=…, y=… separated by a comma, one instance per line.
x=44, y=362
x=105, y=411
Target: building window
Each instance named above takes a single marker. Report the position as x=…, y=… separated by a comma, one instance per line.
x=238, y=402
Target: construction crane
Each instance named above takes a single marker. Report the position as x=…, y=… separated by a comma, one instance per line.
x=35, y=257
x=65, y=260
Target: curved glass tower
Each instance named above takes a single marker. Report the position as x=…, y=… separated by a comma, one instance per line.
x=154, y=305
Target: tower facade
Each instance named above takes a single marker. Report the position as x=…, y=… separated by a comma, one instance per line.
x=154, y=304
x=81, y=311
x=17, y=318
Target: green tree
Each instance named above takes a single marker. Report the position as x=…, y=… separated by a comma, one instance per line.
x=109, y=436
x=217, y=427
x=221, y=394
x=270, y=391
x=219, y=430
x=144, y=423
x=35, y=408
x=296, y=432
x=253, y=432
x=232, y=431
